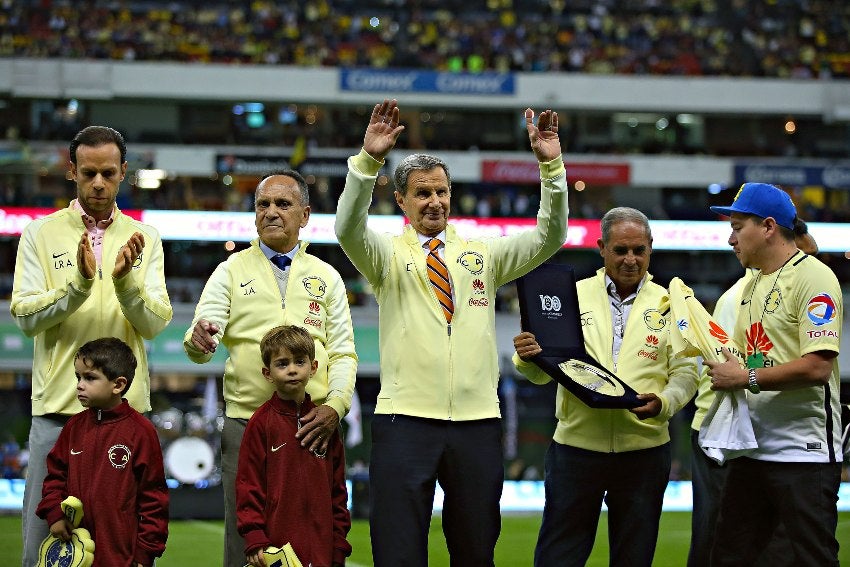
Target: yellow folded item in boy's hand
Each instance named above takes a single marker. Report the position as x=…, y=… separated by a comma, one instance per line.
x=280, y=557
x=78, y=551
x=73, y=509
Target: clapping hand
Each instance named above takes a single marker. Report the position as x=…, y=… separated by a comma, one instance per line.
x=86, y=263
x=128, y=255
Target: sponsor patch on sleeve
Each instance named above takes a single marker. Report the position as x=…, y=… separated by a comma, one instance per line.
x=821, y=310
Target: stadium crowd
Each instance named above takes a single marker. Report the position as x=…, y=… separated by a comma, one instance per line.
x=761, y=38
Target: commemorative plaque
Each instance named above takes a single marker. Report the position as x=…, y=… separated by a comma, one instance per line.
x=548, y=306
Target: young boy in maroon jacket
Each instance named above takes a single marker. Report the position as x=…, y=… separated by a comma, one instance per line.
x=286, y=493
x=109, y=457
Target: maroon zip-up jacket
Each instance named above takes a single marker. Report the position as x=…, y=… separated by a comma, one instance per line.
x=286, y=493
x=111, y=460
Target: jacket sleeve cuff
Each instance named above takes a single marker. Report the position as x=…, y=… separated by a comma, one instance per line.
x=124, y=284
x=552, y=169
x=81, y=283
x=256, y=539
x=337, y=405
x=54, y=515
x=339, y=557
x=663, y=416
x=531, y=371
x=366, y=164
x=143, y=556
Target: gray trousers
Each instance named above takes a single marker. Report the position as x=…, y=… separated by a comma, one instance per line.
x=231, y=439
x=44, y=431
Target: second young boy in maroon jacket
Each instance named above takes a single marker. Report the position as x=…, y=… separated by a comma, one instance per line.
x=286, y=493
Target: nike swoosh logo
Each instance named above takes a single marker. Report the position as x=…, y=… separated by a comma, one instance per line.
x=246, y=283
x=75, y=452
x=275, y=449
x=59, y=255
x=745, y=302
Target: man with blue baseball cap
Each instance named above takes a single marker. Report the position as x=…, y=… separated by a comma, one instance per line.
x=762, y=200
x=789, y=325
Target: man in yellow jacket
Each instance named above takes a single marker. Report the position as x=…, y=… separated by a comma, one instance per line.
x=620, y=456
x=437, y=414
x=62, y=298
x=273, y=282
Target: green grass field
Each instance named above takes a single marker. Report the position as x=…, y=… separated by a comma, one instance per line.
x=199, y=544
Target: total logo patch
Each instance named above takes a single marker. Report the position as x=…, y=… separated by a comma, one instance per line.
x=315, y=286
x=472, y=261
x=821, y=310
x=119, y=456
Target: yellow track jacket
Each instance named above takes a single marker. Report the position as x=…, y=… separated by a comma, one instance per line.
x=429, y=369
x=53, y=303
x=645, y=363
x=243, y=299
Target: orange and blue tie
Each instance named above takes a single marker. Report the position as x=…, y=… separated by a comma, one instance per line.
x=438, y=273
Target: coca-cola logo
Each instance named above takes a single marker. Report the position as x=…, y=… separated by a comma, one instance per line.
x=510, y=171
x=481, y=302
x=314, y=322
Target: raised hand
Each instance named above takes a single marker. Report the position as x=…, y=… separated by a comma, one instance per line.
x=128, y=255
x=383, y=129
x=86, y=263
x=544, y=136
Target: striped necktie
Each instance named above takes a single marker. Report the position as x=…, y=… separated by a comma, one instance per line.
x=439, y=276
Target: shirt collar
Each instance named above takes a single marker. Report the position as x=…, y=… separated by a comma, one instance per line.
x=88, y=220
x=611, y=287
x=423, y=239
x=269, y=253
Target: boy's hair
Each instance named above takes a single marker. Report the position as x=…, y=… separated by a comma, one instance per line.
x=111, y=356
x=297, y=340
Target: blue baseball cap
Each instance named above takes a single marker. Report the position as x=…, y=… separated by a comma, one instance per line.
x=762, y=200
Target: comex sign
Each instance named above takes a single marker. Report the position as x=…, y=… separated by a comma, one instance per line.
x=426, y=81
x=829, y=176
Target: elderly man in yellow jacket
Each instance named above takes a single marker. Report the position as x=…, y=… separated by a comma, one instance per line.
x=274, y=282
x=437, y=414
x=620, y=456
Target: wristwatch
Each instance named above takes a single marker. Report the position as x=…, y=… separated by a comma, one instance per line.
x=752, y=385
